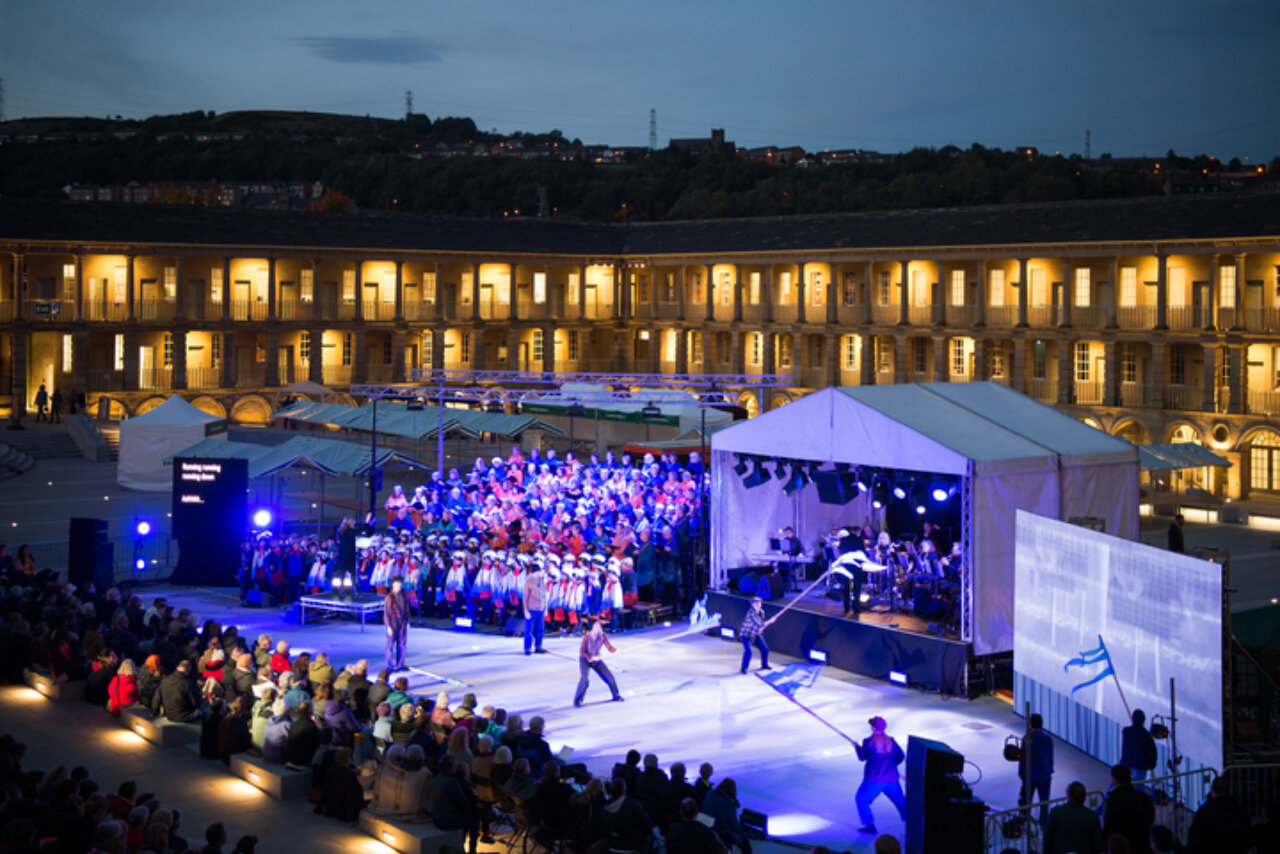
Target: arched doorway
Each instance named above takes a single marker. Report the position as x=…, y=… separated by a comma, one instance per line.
x=1134, y=432
x=1184, y=480
x=1264, y=461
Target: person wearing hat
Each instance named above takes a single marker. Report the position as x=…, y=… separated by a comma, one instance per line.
x=752, y=631
x=882, y=756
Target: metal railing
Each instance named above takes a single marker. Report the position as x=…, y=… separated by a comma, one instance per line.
x=1254, y=786
x=156, y=309
x=1184, y=317
x=884, y=315
x=204, y=378
x=337, y=375
x=1264, y=402
x=1136, y=316
x=1261, y=319
x=378, y=310
x=1089, y=392
x=959, y=315
x=1042, y=316
x=248, y=310
x=294, y=310
x=155, y=379
x=1186, y=398
x=920, y=315
x=1043, y=389
x=106, y=311
x=414, y=310
x=1001, y=315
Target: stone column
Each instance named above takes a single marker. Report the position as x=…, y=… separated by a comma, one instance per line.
x=439, y=296
x=867, y=359
x=830, y=360
x=1111, y=365
x=437, y=349
x=79, y=261
x=1018, y=364
x=1115, y=293
x=939, y=292
x=737, y=353
x=1162, y=291
x=797, y=358
x=130, y=299
x=400, y=295
x=271, y=292
x=1023, y=288
x=1238, y=323
x=226, y=295
x=18, y=371
x=1157, y=380
x=475, y=294
x=980, y=296
x=131, y=361
x=833, y=296
x=1066, y=371
x=768, y=294
x=1211, y=310
x=16, y=289
x=399, y=342
x=273, y=357
x=513, y=351
x=800, y=293
x=867, y=293
x=1209, y=378
x=228, y=358
x=549, y=349
x=737, y=294
x=682, y=351
x=316, y=291
x=178, y=378
x=1237, y=378
x=315, y=357
x=768, y=357
x=900, y=359
x=360, y=357
x=941, y=359
x=904, y=293
x=708, y=296
x=180, y=291
x=981, y=354
x=680, y=293
x=1068, y=294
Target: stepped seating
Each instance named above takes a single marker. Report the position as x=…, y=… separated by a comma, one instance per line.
x=278, y=781
x=58, y=692
x=158, y=731
x=411, y=838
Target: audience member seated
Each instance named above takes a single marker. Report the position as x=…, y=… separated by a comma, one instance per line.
x=149, y=680
x=670, y=797
x=233, y=734
x=721, y=804
x=123, y=690
x=402, y=790
x=303, y=738
x=703, y=784
x=377, y=694
x=320, y=672
x=687, y=835
x=1129, y=812
x=626, y=824
x=275, y=736
x=457, y=748
x=258, y=717
x=453, y=806
x=280, y=660
x=339, y=718
x=533, y=746
x=649, y=784
x=403, y=724
x=1220, y=825
x=341, y=795
x=629, y=770
x=176, y=697
x=1073, y=827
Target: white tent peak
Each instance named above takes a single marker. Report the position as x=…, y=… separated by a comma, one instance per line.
x=175, y=410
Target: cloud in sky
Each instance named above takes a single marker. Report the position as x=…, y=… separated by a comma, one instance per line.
x=377, y=50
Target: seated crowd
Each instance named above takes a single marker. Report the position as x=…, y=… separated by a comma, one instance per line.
x=367, y=741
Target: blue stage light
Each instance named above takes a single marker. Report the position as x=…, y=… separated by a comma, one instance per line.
x=143, y=528
x=140, y=564
x=262, y=518
x=818, y=655
x=727, y=632
x=897, y=677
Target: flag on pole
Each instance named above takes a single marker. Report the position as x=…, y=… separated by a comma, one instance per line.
x=793, y=677
x=1092, y=658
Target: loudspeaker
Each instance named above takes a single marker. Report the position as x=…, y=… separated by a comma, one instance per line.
x=939, y=804
x=90, y=556
x=770, y=586
x=834, y=487
x=259, y=599
x=513, y=626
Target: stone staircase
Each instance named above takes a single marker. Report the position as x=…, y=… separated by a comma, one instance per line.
x=111, y=435
x=14, y=462
x=42, y=442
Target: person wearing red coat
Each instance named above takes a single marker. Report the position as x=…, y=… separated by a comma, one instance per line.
x=123, y=690
x=280, y=660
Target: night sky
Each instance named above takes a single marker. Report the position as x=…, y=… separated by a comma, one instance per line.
x=1143, y=76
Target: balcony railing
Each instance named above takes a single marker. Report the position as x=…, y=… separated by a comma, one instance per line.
x=379, y=373
x=1043, y=389
x=1135, y=394
x=1002, y=315
x=1264, y=402
x=337, y=375
x=294, y=309
x=105, y=380
x=781, y=313
x=414, y=310
x=1228, y=318
x=242, y=309
x=204, y=378
x=379, y=310
x=345, y=311
x=155, y=379
x=1088, y=392
x=1183, y=317
x=1185, y=398
x=156, y=309
x=884, y=315
x=920, y=315
x=1136, y=316
x=1088, y=316
x=960, y=315
x=251, y=376
x=1262, y=319
x=1042, y=316
x=116, y=311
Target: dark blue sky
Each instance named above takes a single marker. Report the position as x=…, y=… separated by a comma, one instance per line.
x=1143, y=76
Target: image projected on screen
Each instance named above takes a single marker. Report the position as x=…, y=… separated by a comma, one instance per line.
x=1097, y=616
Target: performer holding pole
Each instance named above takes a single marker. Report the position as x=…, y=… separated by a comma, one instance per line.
x=590, y=658
x=395, y=614
x=882, y=756
x=752, y=631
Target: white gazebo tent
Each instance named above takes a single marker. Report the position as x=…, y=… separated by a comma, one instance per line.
x=148, y=440
x=1008, y=451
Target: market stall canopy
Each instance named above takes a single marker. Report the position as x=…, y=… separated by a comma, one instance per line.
x=334, y=457
x=145, y=441
x=1178, y=455
x=395, y=418
x=685, y=416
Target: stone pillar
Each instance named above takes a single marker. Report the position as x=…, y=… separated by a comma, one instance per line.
x=682, y=351
x=179, y=295
x=867, y=293
x=622, y=350
x=359, y=308
x=1023, y=288
x=178, y=378
x=768, y=356
x=737, y=295
x=768, y=294
x=1209, y=378
x=16, y=289
x=317, y=293
x=1238, y=323
x=941, y=359
x=79, y=262
x=1237, y=378
x=1066, y=371
x=130, y=378
x=981, y=353
x=1157, y=379
x=437, y=349
x=439, y=295
x=129, y=298
x=400, y=296
x=513, y=351
x=867, y=359
x=1111, y=367
x=273, y=357
x=360, y=357
x=1115, y=293
x=800, y=292
x=797, y=358
x=18, y=371
x=228, y=358
x=271, y=293
x=680, y=293
x=737, y=352
x=1162, y=291
x=1018, y=364
x=833, y=294
x=980, y=296
x=1211, y=310
x=399, y=342
x=315, y=358
x=900, y=359
x=1068, y=294
x=939, y=306
x=79, y=360
x=904, y=294
x=549, y=349
x=475, y=293
x=708, y=297
x=226, y=298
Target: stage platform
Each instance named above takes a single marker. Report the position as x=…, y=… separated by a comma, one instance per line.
x=871, y=645
x=364, y=605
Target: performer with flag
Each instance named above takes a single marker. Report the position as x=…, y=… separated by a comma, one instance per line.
x=882, y=756
x=752, y=631
x=590, y=658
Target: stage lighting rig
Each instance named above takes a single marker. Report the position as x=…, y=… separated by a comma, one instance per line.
x=880, y=493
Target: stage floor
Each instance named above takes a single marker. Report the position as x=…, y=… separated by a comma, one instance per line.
x=686, y=701
x=817, y=603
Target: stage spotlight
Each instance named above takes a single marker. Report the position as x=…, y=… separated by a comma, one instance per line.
x=651, y=412
x=140, y=564
x=860, y=478
x=758, y=475
x=897, y=677
x=143, y=528
x=818, y=656
x=740, y=467
x=940, y=490
x=262, y=518
x=727, y=632
x=880, y=493
x=575, y=410
x=899, y=490
x=798, y=480
x=780, y=469
x=462, y=624
x=919, y=495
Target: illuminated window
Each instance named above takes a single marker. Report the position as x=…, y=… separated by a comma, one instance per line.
x=1128, y=287
x=119, y=351
x=1128, y=363
x=389, y=287
x=1082, y=361
x=1083, y=295
x=995, y=359
x=695, y=347
x=919, y=288
x=304, y=346
x=670, y=291
x=1038, y=295
x=883, y=293
x=537, y=345
x=540, y=290
x=698, y=295
x=429, y=288
x=215, y=350
x=69, y=281
x=1039, y=360
x=1177, y=366
x=755, y=353
x=1227, y=286
x=68, y=351
x=784, y=350
x=850, y=291
x=884, y=355
x=215, y=284
x=919, y=355
x=571, y=339
x=817, y=351
x=959, y=358
x=816, y=293
x=464, y=348
x=168, y=349
x=346, y=348
x=170, y=283
x=849, y=352
x=957, y=287
x=726, y=289
x=784, y=288
x=1178, y=287
x=428, y=348
x=307, y=285
x=348, y=289
x=260, y=285
x=995, y=288
x=724, y=347
x=119, y=287
x=753, y=287
x=464, y=285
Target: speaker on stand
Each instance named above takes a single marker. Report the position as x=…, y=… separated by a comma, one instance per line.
x=942, y=814
x=90, y=555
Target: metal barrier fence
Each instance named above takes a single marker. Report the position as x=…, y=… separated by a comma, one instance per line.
x=1254, y=786
x=1019, y=829
x=157, y=552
